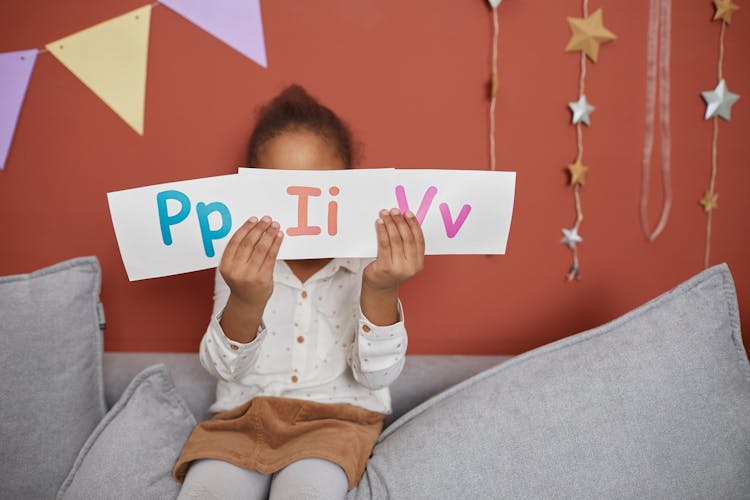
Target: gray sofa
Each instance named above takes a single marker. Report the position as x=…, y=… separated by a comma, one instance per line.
x=654, y=404
x=423, y=377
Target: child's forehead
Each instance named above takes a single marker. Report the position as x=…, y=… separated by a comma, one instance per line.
x=300, y=149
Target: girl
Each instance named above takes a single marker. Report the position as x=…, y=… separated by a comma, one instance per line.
x=304, y=350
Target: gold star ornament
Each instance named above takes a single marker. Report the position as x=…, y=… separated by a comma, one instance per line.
x=724, y=10
x=577, y=173
x=588, y=34
x=710, y=201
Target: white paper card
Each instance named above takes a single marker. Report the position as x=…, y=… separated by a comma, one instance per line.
x=184, y=226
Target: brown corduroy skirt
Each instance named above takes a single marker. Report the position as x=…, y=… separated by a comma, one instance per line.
x=268, y=433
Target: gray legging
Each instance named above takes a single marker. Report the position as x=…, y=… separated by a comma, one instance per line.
x=308, y=478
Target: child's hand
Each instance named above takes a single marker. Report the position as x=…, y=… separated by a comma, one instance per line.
x=248, y=261
x=400, y=251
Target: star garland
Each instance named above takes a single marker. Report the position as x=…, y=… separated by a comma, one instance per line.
x=587, y=34
x=719, y=102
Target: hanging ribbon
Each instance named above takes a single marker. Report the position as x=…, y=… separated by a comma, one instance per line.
x=495, y=81
x=658, y=55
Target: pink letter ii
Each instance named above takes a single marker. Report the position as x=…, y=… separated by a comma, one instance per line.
x=304, y=192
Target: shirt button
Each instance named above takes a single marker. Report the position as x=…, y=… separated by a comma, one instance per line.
x=300, y=339
x=234, y=347
x=365, y=328
x=304, y=294
x=294, y=378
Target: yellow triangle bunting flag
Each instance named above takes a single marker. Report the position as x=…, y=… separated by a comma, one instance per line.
x=110, y=58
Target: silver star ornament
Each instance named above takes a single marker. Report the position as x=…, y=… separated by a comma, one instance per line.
x=719, y=101
x=581, y=110
x=571, y=237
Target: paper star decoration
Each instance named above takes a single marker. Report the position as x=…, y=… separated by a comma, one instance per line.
x=571, y=237
x=719, y=101
x=710, y=201
x=724, y=10
x=577, y=172
x=588, y=34
x=581, y=110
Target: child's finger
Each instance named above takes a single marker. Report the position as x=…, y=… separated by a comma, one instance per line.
x=231, y=249
x=407, y=238
x=273, y=252
x=246, y=246
x=394, y=238
x=262, y=247
x=416, y=230
x=384, y=246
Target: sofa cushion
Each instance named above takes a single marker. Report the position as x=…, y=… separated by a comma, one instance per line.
x=51, y=396
x=133, y=449
x=654, y=404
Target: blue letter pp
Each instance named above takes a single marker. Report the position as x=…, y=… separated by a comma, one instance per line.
x=166, y=220
x=208, y=234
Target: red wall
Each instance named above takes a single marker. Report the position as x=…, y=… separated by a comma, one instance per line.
x=410, y=78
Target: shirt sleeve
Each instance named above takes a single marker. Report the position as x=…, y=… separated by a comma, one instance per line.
x=221, y=356
x=379, y=352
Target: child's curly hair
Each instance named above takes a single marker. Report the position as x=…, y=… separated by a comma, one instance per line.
x=295, y=109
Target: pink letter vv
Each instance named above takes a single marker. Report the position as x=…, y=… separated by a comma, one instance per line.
x=451, y=227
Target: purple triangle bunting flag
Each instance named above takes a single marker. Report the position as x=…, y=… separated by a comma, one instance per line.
x=15, y=72
x=237, y=23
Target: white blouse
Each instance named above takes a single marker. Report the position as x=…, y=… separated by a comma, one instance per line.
x=313, y=342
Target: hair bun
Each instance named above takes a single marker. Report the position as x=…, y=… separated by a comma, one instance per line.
x=295, y=93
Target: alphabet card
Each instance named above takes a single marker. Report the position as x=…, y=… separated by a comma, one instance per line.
x=174, y=228
x=184, y=226
x=323, y=213
x=461, y=211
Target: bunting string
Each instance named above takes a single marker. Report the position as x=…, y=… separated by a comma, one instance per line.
x=110, y=58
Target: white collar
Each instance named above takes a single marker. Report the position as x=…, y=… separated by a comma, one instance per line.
x=284, y=273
